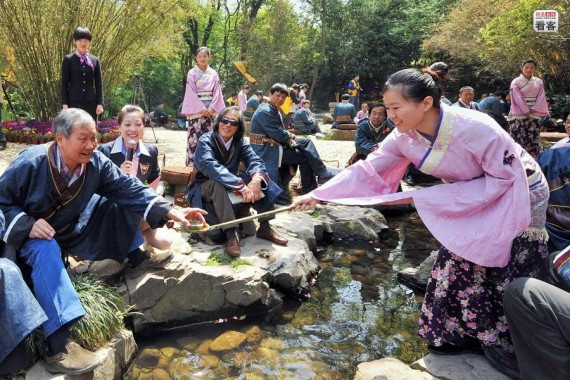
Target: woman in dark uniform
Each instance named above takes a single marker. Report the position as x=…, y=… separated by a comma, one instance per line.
x=81, y=82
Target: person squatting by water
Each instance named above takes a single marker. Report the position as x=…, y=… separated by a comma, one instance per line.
x=489, y=215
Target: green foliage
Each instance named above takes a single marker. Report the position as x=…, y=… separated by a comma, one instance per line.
x=491, y=38
x=37, y=35
x=104, y=312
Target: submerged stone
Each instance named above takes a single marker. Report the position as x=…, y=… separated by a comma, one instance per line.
x=228, y=341
x=253, y=334
x=204, y=347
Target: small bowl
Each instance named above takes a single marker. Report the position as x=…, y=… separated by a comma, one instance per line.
x=195, y=225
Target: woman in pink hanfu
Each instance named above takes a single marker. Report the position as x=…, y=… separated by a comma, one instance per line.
x=528, y=105
x=202, y=101
x=489, y=214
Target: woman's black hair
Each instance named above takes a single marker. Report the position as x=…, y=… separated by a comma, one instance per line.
x=416, y=84
x=565, y=114
x=241, y=123
x=279, y=87
x=129, y=108
x=345, y=97
x=82, y=32
x=528, y=60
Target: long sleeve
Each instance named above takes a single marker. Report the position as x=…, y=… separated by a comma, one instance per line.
x=154, y=165
x=540, y=107
x=13, y=187
x=271, y=124
x=518, y=104
x=98, y=82
x=191, y=104
x=65, y=81
x=207, y=164
x=363, y=182
x=362, y=140
x=217, y=103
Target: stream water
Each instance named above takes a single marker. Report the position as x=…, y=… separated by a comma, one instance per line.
x=356, y=312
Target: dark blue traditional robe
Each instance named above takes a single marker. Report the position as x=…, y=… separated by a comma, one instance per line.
x=344, y=109
x=555, y=164
x=267, y=122
x=366, y=137
x=252, y=103
x=214, y=161
x=95, y=218
x=20, y=313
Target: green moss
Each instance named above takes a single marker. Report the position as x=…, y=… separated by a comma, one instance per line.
x=316, y=213
x=218, y=258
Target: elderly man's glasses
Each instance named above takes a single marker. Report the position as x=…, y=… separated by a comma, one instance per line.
x=233, y=123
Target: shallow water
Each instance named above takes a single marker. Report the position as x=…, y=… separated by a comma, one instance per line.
x=356, y=312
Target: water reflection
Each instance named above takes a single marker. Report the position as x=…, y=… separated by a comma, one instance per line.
x=357, y=312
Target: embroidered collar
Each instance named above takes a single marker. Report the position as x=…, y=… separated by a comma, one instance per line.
x=119, y=147
x=438, y=144
x=62, y=168
x=221, y=145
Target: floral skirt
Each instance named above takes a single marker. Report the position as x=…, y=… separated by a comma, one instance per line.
x=196, y=128
x=526, y=132
x=464, y=299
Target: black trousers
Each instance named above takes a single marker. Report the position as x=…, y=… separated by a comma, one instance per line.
x=89, y=107
x=310, y=164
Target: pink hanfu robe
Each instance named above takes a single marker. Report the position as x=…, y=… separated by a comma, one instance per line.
x=202, y=91
x=484, y=203
x=527, y=95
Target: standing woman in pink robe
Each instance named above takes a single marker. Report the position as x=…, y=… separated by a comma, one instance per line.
x=489, y=215
x=528, y=105
x=202, y=101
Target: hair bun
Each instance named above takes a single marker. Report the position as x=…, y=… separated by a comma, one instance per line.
x=437, y=70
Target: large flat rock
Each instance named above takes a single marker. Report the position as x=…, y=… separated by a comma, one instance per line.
x=458, y=367
x=191, y=288
x=389, y=369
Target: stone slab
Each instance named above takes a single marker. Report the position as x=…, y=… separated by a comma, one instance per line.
x=116, y=356
x=342, y=135
x=458, y=367
x=389, y=369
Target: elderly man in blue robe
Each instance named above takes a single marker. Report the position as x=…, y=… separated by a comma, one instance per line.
x=217, y=186
x=66, y=196
x=344, y=112
x=281, y=149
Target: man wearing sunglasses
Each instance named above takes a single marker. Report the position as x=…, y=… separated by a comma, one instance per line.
x=279, y=148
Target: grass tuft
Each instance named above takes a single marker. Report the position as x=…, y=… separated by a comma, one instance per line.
x=104, y=312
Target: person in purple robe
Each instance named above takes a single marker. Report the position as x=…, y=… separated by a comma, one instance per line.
x=203, y=99
x=528, y=105
x=489, y=214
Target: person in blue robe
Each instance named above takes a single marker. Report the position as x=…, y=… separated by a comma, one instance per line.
x=555, y=164
x=344, y=112
x=371, y=131
x=216, y=181
x=20, y=314
x=65, y=196
x=252, y=103
x=304, y=121
x=281, y=150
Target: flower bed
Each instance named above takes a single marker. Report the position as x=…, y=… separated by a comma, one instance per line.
x=39, y=132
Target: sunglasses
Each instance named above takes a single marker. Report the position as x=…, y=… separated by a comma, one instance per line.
x=233, y=123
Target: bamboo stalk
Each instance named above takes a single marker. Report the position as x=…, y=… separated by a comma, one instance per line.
x=245, y=219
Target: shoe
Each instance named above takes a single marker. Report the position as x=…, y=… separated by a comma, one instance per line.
x=410, y=180
x=325, y=177
x=232, y=247
x=3, y=145
x=451, y=349
x=156, y=261
x=272, y=236
x=75, y=360
x=503, y=361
